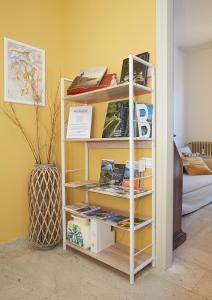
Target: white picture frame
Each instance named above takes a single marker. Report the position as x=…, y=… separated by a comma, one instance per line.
x=24, y=73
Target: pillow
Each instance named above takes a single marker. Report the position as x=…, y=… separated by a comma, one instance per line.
x=185, y=151
x=195, y=166
x=208, y=161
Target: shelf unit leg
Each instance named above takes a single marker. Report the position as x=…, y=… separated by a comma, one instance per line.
x=153, y=167
x=62, y=82
x=63, y=162
x=131, y=154
x=86, y=170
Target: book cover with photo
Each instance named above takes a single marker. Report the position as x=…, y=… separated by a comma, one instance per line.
x=117, y=120
x=106, y=174
x=88, y=77
x=139, y=70
x=126, y=179
x=118, y=174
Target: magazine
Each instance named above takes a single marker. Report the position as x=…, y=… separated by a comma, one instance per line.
x=82, y=207
x=126, y=180
x=118, y=174
x=126, y=223
x=139, y=70
x=107, y=167
x=87, y=208
x=99, y=214
x=88, y=77
x=117, y=219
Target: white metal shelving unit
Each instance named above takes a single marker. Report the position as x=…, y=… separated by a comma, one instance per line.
x=125, y=259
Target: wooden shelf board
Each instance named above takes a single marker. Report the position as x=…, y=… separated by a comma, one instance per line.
x=116, y=256
x=94, y=190
x=113, y=143
x=147, y=222
x=121, y=139
x=107, y=94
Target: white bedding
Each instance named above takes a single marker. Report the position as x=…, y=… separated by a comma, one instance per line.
x=197, y=192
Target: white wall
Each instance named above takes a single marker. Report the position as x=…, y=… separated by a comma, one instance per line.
x=179, y=96
x=199, y=95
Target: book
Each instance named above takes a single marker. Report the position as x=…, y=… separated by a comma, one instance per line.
x=107, y=80
x=82, y=207
x=106, y=174
x=88, y=77
x=126, y=223
x=126, y=180
x=117, y=120
x=139, y=70
x=87, y=208
x=144, y=116
x=116, y=219
x=79, y=122
x=118, y=174
x=99, y=214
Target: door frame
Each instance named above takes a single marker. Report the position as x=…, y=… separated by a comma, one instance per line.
x=164, y=133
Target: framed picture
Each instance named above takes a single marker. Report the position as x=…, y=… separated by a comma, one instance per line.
x=24, y=73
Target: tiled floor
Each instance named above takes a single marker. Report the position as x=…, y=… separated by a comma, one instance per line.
x=29, y=274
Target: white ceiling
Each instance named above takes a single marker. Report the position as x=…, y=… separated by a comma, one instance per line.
x=192, y=23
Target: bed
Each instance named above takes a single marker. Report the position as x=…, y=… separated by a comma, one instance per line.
x=197, y=192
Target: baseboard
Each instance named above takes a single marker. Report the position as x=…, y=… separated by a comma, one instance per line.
x=179, y=238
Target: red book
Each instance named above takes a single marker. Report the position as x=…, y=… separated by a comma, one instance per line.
x=107, y=80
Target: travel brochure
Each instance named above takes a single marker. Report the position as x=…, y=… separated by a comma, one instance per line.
x=112, y=217
x=79, y=122
x=114, y=179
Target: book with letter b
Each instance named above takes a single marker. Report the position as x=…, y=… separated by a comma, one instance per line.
x=79, y=122
x=144, y=117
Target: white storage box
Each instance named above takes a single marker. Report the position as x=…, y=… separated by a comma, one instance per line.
x=101, y=236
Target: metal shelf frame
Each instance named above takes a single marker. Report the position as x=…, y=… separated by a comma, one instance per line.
x=131, y=89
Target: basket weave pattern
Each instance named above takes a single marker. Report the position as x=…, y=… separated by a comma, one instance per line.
x=44, y=194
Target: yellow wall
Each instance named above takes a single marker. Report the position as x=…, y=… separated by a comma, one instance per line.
x=74, y=34
x=41, y=24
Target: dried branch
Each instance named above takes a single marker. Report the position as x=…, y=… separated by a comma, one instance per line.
x=54, y=113
x=50, y=135
x=13, y=117
x=37, y=120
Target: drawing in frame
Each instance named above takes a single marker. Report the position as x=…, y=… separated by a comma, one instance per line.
x=24, y=73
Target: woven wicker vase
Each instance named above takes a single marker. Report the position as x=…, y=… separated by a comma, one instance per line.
x=44, y=193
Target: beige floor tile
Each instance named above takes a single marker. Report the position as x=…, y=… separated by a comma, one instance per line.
x=184, y=274
x=204, y=286
x=30, y=274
